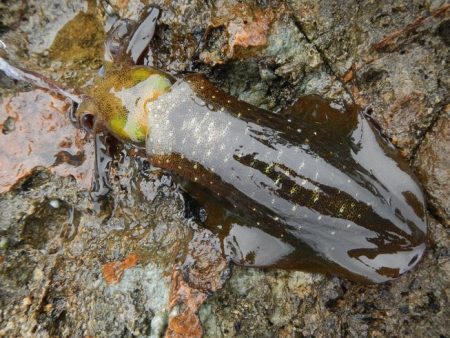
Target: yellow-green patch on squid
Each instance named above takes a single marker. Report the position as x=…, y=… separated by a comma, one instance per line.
x=118, y=101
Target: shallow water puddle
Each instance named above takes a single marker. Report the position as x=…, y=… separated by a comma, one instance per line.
x=37, y=132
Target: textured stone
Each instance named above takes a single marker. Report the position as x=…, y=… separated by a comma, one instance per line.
x=54, y=240
x=433, y=166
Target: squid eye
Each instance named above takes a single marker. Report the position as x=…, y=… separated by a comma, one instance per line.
x=87, y=121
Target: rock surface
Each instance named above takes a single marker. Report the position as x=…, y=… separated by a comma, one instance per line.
x=433, y=165
x=126, y=265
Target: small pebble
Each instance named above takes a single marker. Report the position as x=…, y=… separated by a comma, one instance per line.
x=9, y=125
x=26, y=301
x=3, y=243
x=55, y=204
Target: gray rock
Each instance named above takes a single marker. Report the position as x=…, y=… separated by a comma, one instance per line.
x=52, y=259
x=433, y=166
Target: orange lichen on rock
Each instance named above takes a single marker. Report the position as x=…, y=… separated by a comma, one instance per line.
x=246, y=27
x=186, y=300
x=251, y=31
x=113, y=272
x=36, y=131
x=186, y=324
x=348, y=76
x=122, y=4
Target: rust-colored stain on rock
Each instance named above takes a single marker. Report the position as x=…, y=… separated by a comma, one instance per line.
x=36, y=131
x=250, y=31
x=187, y=300
x=120, y=4
x=113, y=272
x=186, y=325
x=246, y=28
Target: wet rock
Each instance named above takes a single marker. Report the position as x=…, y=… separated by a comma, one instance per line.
x=10, y=12
x=205, y=268
x=38, y=132
x=389, y=55
x=36, y=23
x=255, y=303
x=129, y=9
x=184, y=304
x=244, y=28
x=204, y=271
x=443, y=31
x=433, y=165
x=113, y=272
x=78, y=45
x=343, y=31
x=55, y=240
x=71, y=276
x=64, y=42
x=286, y=66
x=79, y=39
x=179, y=34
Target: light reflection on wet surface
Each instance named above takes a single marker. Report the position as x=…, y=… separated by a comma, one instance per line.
x=41, y=136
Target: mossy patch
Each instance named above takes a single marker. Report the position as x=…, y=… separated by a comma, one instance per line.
x=80, y=40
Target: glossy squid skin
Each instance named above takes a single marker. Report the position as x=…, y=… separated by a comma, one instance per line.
x=312, y=188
